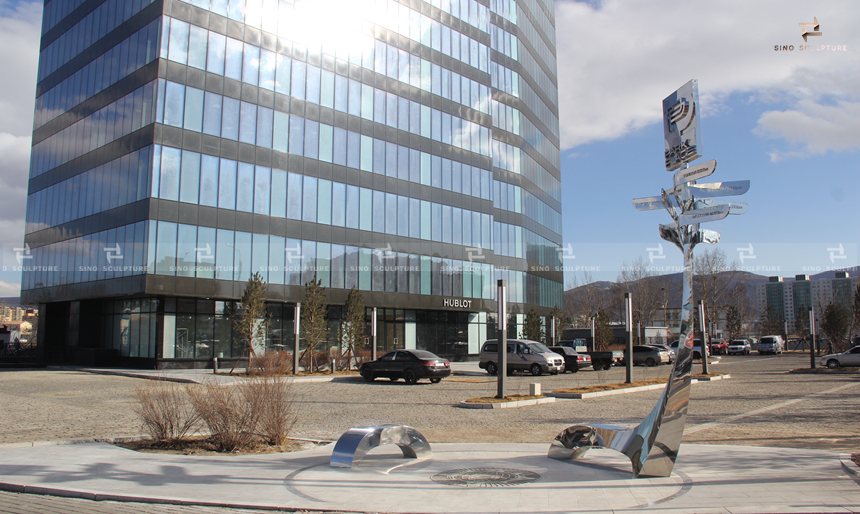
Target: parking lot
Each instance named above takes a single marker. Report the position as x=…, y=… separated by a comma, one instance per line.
x=761, y=404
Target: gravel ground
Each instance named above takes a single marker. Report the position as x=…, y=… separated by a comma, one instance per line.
x=760, y=405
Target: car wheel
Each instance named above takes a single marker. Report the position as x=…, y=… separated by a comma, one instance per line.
x=697, y=355
x=535, y=369
x=410, y=377
x=435, y=380
x=650, y=362
x=574, y=369
x=491, y=368
x=833, y=364
x=367, y=374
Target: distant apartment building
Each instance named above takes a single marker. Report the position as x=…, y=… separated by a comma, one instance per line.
x=12, y=313
x=789, y=298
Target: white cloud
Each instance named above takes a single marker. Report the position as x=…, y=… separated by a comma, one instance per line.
x=7, y=289
x=20, y=27
x=617, y=61
x=815, y=128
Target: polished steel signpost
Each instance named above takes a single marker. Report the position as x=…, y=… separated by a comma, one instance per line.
x=653, y=445
x=502, y=340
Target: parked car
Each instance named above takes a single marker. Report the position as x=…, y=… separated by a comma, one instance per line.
x=599, y=360
x=573, y=361
x=850, y=358
x=740, y=346
x=770, y=344
x=410, y=365
x=668, y=349
x=697, y=348
x=523, y=355
x=718, y=346
x=649, y=355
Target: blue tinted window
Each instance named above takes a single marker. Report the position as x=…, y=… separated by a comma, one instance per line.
x=245, y=187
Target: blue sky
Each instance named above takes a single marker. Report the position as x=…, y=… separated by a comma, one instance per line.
x=788, y=121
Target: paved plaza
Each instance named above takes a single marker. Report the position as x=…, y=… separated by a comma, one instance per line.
x=804, y=425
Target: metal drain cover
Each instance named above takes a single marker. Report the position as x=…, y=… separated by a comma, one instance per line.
x=485, y=477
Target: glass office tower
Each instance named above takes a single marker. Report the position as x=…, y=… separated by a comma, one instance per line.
x=406, y=148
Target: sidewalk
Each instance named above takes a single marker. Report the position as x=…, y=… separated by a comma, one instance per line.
x=707, y=478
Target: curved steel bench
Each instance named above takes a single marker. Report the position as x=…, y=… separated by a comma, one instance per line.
x=354, y=444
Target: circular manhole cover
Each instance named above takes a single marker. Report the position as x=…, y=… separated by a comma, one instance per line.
x=485, y=477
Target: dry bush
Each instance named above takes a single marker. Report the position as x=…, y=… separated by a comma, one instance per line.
x=272, y=401
x=312, y=361
x=272, y=363
x=165, y=412
x=231, y=419
x=361, y=356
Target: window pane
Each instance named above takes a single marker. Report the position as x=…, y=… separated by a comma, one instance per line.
x=209, y=181
x=189, y=187
x=309, y=199
x=245, y=187
x=227, y=185
x=262, y=189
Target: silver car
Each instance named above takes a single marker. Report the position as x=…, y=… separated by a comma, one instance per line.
x=740, y=346
x=850, y=358
x=523, y=355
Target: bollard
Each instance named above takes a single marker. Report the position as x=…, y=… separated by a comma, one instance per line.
x=534, y=390
x=215, y=364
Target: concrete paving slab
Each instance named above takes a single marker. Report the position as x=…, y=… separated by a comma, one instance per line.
x=458, y=478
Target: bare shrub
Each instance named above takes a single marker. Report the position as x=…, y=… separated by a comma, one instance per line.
x=231, y=419
x=272, y=363
x=272, y=401
x=165, y=412
x=313, y=360
x=361, y=356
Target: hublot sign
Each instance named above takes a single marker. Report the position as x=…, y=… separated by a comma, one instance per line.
x=454, y=302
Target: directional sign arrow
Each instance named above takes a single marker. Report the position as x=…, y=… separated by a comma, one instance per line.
x=735, y=208
x=715, y=213
x=715, y=189
x=695, y=172
x=710, y=237
x=651, y=203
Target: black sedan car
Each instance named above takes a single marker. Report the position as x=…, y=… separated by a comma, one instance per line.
x=573, y=361
x=410, y=365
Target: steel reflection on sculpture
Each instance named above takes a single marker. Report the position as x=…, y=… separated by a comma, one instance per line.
x=354, y=444
x=653, y=445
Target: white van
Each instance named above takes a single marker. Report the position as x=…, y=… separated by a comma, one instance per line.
x=523, y=355
x=770, y=344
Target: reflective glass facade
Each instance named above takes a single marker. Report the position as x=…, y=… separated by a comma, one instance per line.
x=406, y=148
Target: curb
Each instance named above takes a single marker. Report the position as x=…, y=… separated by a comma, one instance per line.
x=505, y=405
x=167, y=378
x=65, y=442
x=627, y=390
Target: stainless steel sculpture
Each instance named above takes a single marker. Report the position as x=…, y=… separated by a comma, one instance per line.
x=354, y=444
x=653, y=445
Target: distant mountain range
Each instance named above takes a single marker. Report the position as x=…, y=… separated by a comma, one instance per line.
x=675, y=281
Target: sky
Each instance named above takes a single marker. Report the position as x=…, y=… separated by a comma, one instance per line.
x=788, y=121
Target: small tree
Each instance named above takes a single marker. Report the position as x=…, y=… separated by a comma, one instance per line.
x=603, y=334
x=314, y=323
x=557, y=318
x=801, y=323
x=771, y=323
x=249, y=319
x=353, y=326
x=734, y=324
x=855, y=311
x=835, y=326
x=532, y=329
